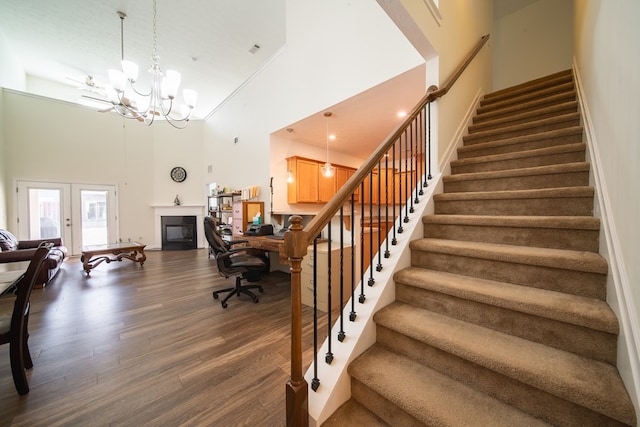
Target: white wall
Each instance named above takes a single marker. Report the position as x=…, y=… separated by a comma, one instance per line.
x=11, y=76
x=55, y=141
x=608, y=60
x=462, y=25
x=335, y=49
x=532, y=41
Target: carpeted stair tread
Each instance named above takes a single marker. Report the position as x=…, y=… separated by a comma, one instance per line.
x=494, y=102
x=542, y=257
x=352, y=413
x=540, y=193
x=430, y=397
x=549, y=123
x=491, y=113
x=534, y=114
x=591, y=384
x=578, y=222
x=587, y=312
x=580, y=233
x=522, y=172
x=565, y=201
x=560, y=77
x=556, y=137
x=504, y=158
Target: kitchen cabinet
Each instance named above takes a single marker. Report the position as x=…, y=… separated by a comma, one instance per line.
x=309, y=185
x=342, y=176
x=304, y=188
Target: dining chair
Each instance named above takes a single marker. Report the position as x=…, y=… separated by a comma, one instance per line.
x=13, y=325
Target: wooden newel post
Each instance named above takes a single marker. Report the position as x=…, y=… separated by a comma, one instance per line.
x=295, y=246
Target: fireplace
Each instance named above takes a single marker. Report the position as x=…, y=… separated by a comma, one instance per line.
x=179, y=233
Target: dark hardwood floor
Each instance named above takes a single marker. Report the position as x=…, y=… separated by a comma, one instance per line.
x=132, y=346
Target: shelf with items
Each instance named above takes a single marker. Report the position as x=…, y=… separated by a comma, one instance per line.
x=220, y=206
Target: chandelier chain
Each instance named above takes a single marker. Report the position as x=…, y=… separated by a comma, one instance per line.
x=154, y=52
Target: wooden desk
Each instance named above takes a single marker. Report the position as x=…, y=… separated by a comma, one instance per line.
x=132, y=251
x=265, y=243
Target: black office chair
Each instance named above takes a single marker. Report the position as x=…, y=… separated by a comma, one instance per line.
x=13, y=328
x=234, y=262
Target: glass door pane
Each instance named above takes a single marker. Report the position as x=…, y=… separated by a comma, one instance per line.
x=45, y=213
x=94, y=217
x=82, y=214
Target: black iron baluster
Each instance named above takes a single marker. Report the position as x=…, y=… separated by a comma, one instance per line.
x=411, y=171
x=406, y=197
x=414, y=161
x=352, y=315
x=387, y=254
x=395, y=196
x=328, y=358
x=429, y=139
x=315, y=382
x=379, y=266
x=362, y=298
x=371, y=280
x=341, y=334
x=421, y=152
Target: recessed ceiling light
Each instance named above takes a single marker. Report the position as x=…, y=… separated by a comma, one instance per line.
x=402, y=114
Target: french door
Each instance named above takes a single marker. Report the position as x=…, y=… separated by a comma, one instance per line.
x=82, y=214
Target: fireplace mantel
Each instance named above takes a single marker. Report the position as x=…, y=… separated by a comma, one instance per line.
x=179, y=210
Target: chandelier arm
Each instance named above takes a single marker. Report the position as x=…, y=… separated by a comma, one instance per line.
x=173, y=123
x=136, y=90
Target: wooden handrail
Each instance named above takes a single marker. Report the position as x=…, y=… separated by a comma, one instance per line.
x=297, y=239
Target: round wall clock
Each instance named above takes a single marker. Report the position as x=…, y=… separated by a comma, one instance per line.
x=178, y=174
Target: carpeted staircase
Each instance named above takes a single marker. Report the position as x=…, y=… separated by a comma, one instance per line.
x=501, y=319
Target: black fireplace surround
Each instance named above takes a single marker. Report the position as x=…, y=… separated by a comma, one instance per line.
x=179, y=233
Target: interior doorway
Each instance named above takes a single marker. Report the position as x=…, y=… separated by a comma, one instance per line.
x=82, y=214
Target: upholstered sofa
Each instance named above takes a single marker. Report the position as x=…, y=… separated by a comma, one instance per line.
x=12, y=250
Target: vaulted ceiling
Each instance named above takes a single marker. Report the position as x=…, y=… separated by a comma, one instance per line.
x=215, y=44
x=210, y=42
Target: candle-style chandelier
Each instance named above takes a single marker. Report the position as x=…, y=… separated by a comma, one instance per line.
x=159, y=99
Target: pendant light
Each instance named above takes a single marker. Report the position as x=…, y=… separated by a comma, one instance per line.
x=327, y=169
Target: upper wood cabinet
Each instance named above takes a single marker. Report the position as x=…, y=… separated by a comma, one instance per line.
x=326, y=186
x=309, y=185
x=304, y=188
